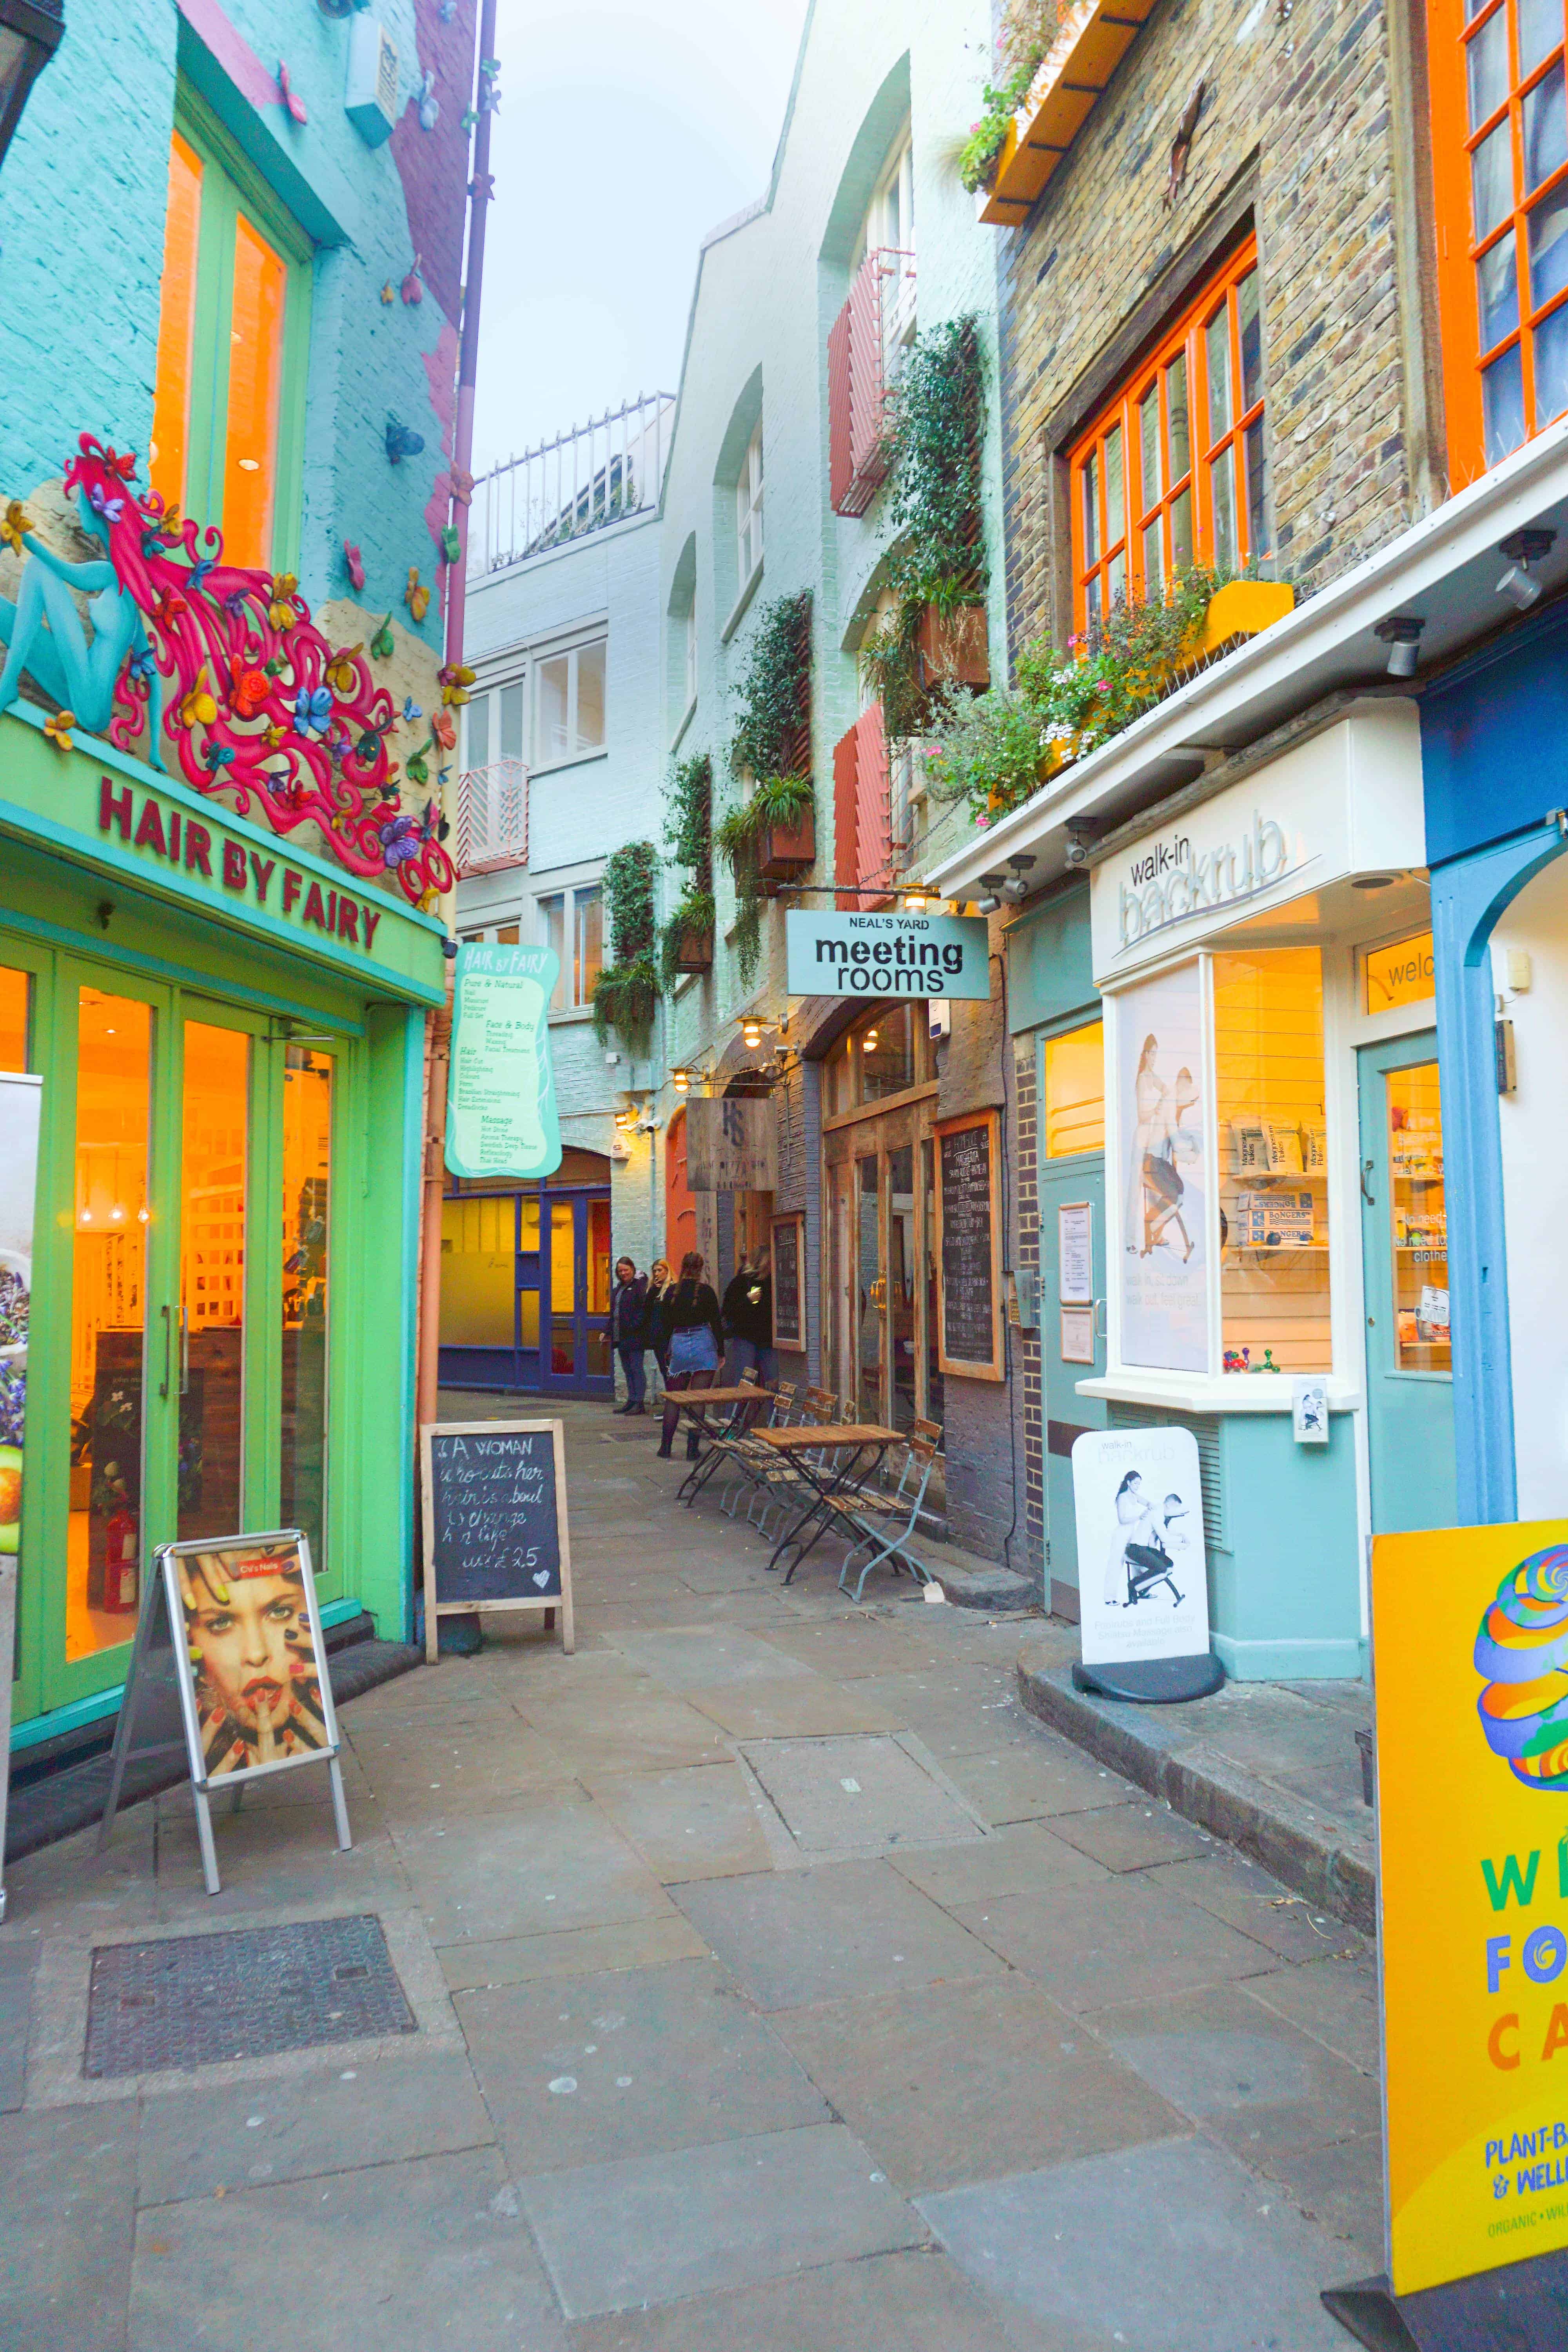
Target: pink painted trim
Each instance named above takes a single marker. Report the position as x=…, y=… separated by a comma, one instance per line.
x=232, y=51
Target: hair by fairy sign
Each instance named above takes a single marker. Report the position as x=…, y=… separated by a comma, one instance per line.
x=223, y=666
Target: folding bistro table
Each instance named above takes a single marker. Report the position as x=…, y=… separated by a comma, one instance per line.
x=863, y=1445
x=697, y=1403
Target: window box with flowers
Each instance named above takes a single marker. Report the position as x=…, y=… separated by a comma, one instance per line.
x=1054, y=63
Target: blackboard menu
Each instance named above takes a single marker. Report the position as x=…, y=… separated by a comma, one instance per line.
x=789, y=1322
x=968, y=1247
x=495, y=1514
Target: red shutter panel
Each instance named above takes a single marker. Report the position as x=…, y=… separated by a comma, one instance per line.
x=873, y=818
x=840, y=466
x=844, y=814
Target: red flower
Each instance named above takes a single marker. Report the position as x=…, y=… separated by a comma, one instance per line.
x=248, y=688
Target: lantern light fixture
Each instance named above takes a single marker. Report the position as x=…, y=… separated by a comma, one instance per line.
x=30, y=32
x=680, y=1080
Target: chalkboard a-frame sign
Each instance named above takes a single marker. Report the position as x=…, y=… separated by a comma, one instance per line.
x=495, y=1521
x=969, y=1219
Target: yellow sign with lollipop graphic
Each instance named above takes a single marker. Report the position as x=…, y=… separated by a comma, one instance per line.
x=1470, y=1646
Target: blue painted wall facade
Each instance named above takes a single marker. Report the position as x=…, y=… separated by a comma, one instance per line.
x=1494, y=748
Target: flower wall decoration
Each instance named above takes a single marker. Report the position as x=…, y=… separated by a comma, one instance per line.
x=225, y=664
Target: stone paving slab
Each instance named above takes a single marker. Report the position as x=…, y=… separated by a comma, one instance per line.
x=1242, y=1892
x=690, y=1658
x=436, y=2248
x=572, y=1951
x=68, y=2213
x=552, y=1862
x=819, y=1935
x=803, y=1707
x=1093, y=1947
x=842, y=1797
x=1336, y=2001
x=659, y=2229
x=1132, y=1837
x=916, y=2302
x=17, y=1963
x=698, y=1822
x=1026, y=1859
x=588, y=2069
x=964, y=2083
x=195, y=2141
x=1173, y=2249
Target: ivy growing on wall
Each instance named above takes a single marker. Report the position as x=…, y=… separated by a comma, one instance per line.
x=1028, y=29
x=935, y=440
x=688, y=838
x=625, y=994
x=772, y=743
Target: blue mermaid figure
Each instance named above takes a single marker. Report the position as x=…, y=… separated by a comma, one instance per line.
x=43, y=629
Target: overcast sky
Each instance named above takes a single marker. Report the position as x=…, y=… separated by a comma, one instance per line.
x=624, y=134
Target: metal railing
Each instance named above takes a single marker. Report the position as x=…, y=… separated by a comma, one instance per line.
x=492, y=817
x=600, y=473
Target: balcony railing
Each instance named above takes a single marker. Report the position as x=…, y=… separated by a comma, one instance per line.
x=492, y=817
x=600, y=473
x=866, y=345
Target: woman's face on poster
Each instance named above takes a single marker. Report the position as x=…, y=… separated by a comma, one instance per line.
x=249, y=1643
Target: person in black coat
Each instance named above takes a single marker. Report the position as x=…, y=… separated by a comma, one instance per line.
x=693, y=1337
x=628, y=1314
x=749, y=1323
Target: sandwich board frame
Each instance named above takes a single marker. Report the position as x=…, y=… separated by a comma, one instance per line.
x=508, y=1604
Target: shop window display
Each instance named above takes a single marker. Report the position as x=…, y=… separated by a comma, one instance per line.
x=1075, y=1092
x=1273, y=1191
x=307, y=1234
x=1420, y=1235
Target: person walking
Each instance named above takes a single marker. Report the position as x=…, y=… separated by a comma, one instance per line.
x=749, y=1322
x=628, y=1313
x=660, y=1287
x=694, y=1341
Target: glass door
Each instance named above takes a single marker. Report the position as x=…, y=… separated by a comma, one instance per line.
x=575, y=1293
x=1405, y=1251
x=871, y=1289
x=903, y=1288
x=1072, y=1191
x=125, y=1353
x=308, y=1077
x=215, y=1173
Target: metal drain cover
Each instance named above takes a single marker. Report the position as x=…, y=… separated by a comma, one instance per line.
x=860, y=1794
x=198, y=2001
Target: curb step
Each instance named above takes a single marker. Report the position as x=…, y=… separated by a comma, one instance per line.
x=1206, y=1788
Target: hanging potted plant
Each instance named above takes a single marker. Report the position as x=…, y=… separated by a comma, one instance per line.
x=626, y=993
x=686, y=942
x=783, y=812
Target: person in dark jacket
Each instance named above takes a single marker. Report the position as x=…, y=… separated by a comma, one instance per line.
x=628, y=1311
x=660, y=1285
x=749, y=1323
x=694, y=1342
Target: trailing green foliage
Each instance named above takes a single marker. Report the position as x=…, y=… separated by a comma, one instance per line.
x=936, y=433
x=738, y=837
x=695, y=914
x=1028, y=29
x=625, y=994
x=774, y=689
x=688, y=816
x=992, y=749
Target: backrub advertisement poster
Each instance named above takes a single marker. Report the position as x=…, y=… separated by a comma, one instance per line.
x=1161, y=1120
x=1470, y=1629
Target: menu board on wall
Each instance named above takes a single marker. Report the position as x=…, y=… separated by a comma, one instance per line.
x=502, y=1117
x=789, y=1282
x=968, y=1220
x=495, y=1520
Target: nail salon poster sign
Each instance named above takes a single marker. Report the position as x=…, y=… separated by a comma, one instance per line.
x=1470, y=1643
x=1142, y=1579
x=500, y=1098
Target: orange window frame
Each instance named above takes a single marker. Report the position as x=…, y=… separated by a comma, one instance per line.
x=1499, y=99
x=1132, y=545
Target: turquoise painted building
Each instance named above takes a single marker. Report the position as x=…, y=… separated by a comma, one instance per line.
x=231, y=284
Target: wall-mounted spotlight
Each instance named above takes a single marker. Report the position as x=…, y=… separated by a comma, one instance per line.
x=869, y=1042
x=991, y=886
x=751, y=1028
x=1083, y=832
x=1402, y=635
x=915, y=902
x=1017, y=889
x=1523, y=547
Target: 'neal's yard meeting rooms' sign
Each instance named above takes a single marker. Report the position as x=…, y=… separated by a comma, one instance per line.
x=874, y=956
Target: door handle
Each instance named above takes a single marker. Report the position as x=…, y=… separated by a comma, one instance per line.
x=185, y=1349
x=1101, y=1329
x=165, y=1383
x=1367, y=1193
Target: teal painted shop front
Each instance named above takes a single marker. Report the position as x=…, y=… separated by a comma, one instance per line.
x=1270, y=1044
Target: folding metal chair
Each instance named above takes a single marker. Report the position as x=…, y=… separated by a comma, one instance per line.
x=883, y=1522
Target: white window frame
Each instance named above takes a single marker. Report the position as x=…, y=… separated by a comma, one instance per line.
x=889, y=227
x=749, y=509
x=571, y=652
x=691, y=626
x=567, y=884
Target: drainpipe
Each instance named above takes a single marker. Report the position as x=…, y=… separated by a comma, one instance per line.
x=480, y=190
x=438, y=1033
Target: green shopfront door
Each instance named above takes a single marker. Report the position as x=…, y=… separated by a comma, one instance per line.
x=1405, y=1251
x=177, y=1380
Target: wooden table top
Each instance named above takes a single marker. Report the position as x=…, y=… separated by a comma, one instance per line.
x=832, y=1433
x=690, y=1399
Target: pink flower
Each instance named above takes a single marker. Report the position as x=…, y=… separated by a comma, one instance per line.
x=982, y=821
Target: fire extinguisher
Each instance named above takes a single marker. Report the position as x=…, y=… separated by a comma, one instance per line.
x=121, y=1582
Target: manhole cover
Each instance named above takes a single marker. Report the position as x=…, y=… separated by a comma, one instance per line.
x=856, y=1795
x=197, y=2001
